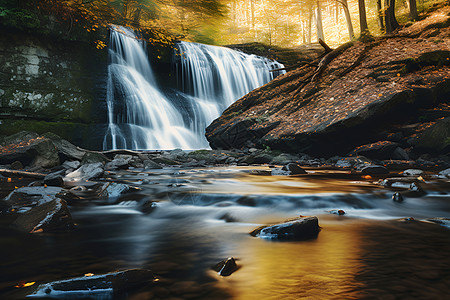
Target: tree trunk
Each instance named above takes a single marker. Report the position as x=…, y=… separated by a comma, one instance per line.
x=319, y=22
x=413, y=10
x=252, y=8
x=348, y=19
x=310, y=25
x=362, y=17
x=391, y=21
x=380, y=15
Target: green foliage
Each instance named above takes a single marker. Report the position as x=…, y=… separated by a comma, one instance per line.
x=17, y=18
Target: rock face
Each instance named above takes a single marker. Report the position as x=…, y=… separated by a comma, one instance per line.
x=105, y=286
x=48, y=84
x=299, y=229
x=362, y=92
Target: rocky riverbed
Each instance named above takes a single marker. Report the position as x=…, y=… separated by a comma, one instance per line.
x=219, y=224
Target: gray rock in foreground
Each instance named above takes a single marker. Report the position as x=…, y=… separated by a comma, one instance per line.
x=298, y=229
x=48, y=217
x=104, y=286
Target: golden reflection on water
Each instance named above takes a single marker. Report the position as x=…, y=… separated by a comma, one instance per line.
x=323, y=268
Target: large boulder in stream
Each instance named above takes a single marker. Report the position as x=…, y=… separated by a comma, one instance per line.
x=361, y=90
x=104, y=286
x=298, y=229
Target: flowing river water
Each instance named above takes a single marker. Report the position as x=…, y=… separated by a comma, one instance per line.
x=194, y=218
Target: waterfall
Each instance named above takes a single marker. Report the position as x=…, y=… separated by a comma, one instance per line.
x=221, y=75
x=140, y=116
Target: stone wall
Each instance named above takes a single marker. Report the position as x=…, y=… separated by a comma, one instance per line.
x=47, y=84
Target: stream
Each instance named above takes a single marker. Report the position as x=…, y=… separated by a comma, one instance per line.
x=194, y=218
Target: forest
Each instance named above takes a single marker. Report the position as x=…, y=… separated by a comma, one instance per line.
x=284, y=23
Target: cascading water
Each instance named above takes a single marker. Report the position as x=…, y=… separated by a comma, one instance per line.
x=141, y=117
x=222, y=75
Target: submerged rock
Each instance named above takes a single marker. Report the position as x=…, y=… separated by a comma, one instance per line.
x=298, y=229
x=226, y=267
x=374, y=170
x=397, y=197
x=105, y=286
x=48, y=217
x=339, y=212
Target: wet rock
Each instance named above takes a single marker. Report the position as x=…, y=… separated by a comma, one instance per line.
x=280, y=172
x=113, y=189
x=284, y=159
x=339, y=212
x=147, y=206
x=105, y=286
x=401, y=182
x=150, y=164
x=65, y=148
x=54, y=179
x=119, y=162
x=86, y=172
x=17, y=165
x=226, y=267
x=407, y=220
x=94, y=157
x=165, y=161
x=26, y=197
x=412, y=172
x=441, y=221
x=378, y=150
x=246, y=201
x=261, y=172
x=71, y=164
x=48, y=217
x=445, y=173
x=294, y=169
x=415, y=191
x=228, y=218
x=374, y=170
x=397, y=197
x=299, y=229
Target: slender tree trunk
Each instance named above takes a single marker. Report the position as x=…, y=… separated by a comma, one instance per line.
x=380, y=15
x=310, y=24
x=319, y=25
x=252, y=8
x=348, y=19
x=391, y=21
x=413, y=10
x=362, y=17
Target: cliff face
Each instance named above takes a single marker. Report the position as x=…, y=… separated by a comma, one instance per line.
x=357, y=94
x=48, y=84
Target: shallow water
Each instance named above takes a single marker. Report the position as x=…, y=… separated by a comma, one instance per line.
x=367, y=253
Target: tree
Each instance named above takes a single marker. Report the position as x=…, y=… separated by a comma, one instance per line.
x=390, y=20
x=362, y=17
x=380, y=15
x=348, y=19
x=413, y=10
x=319, y=24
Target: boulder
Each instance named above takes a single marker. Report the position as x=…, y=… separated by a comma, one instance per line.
x=150, y=164
x=75, y=164
x=397, y=197
x=299, y=229
x=445, y=173
x=284, y=159
x=94, y=157
x=29, y=149
x=17, y=165
x=54, y=179
x=26, y=197
x=65, y=148
x=105, y=286
x=113, y=189
x=378, y=150
x=294, y=169
x=374, y=170
x=226, y=267
x=86, y=172
x=435, y=138
x=119, y=162
x=48, y=217
x=412, y=172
